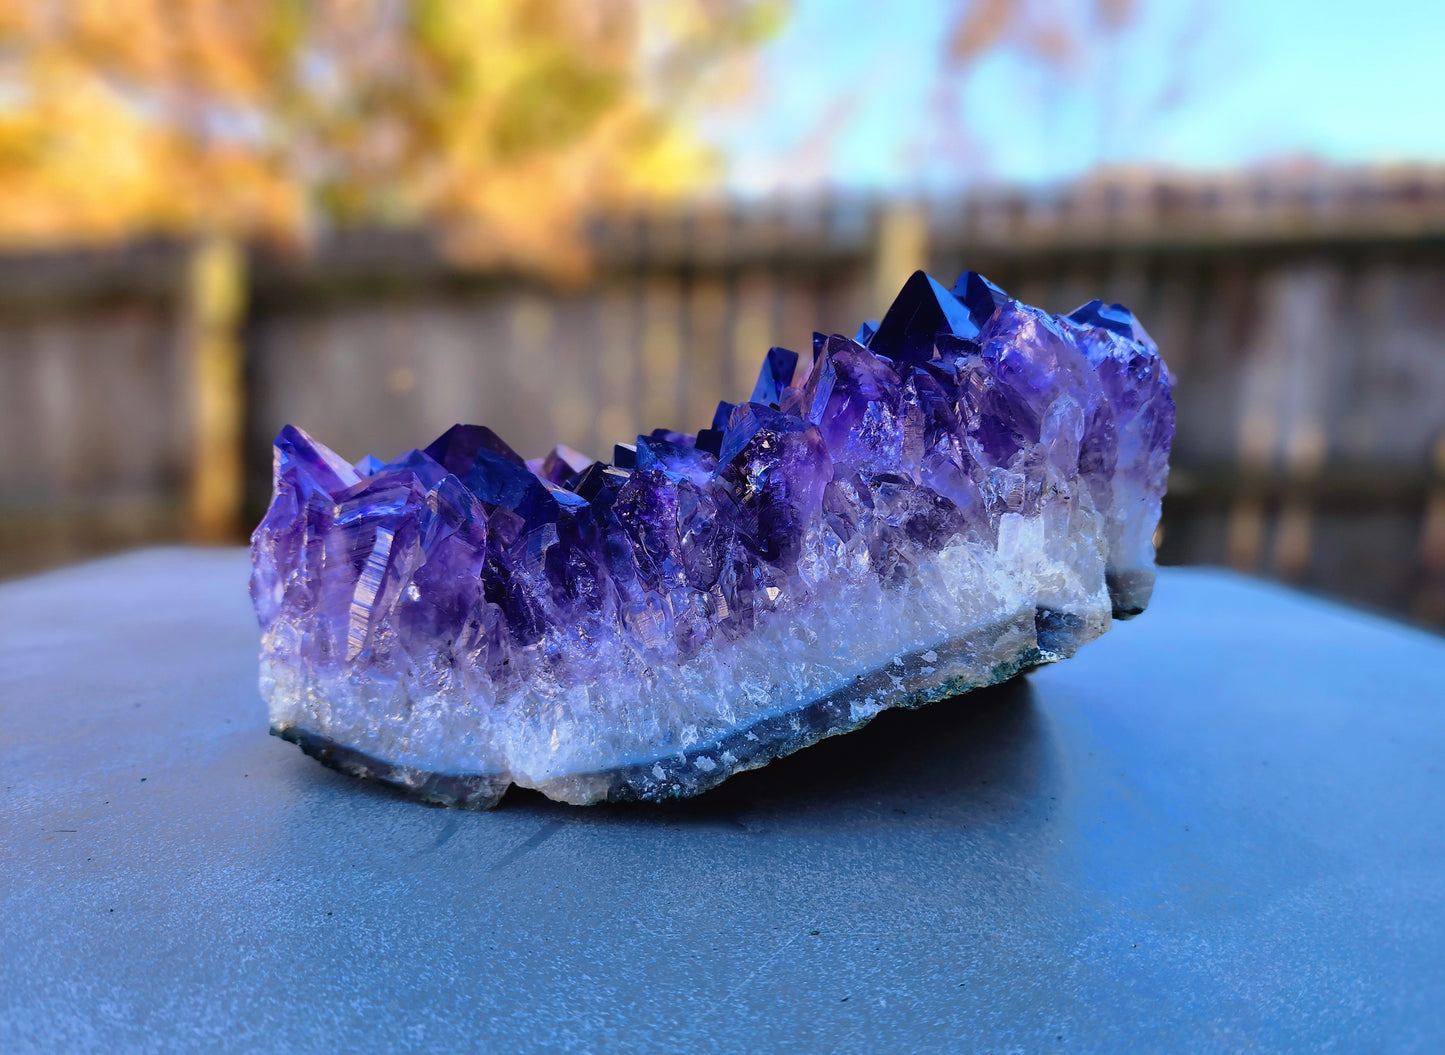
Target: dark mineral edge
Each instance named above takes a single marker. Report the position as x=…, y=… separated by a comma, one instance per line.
x=964, y=490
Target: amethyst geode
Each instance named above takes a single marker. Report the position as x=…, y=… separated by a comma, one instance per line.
x=961, y=492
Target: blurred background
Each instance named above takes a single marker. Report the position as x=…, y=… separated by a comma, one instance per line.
x=576, y=220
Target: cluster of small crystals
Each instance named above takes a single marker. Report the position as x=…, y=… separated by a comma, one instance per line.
x=961, y=412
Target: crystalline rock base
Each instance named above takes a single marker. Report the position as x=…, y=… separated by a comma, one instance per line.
x=961, y=492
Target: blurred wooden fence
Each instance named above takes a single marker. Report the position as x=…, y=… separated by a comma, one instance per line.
x=1302, y=313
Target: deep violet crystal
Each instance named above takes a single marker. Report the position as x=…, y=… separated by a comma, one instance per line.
x=962, y=491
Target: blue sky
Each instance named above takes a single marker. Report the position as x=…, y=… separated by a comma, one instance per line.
x=847, y=95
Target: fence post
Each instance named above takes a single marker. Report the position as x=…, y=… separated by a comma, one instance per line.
x=901, y=249
x=1245, y=529
x=214, y=303
x=1429, y=601
x=1305, y=458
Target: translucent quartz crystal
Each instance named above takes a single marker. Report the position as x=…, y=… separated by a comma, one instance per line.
x=969, y=492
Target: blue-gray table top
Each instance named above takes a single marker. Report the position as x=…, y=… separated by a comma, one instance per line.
x=1219, y=827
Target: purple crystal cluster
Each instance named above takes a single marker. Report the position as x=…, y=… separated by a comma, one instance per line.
x=959, y=492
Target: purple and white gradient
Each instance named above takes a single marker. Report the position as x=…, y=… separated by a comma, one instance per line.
x=971, y=491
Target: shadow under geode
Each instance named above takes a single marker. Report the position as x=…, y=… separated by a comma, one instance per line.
x=971, y=758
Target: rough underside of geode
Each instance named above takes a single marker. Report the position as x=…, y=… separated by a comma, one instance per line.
x=959, y=493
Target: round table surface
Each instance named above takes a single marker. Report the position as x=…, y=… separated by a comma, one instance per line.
x=1217, y=828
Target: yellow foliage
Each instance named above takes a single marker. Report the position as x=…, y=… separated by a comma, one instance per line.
x=499, y=121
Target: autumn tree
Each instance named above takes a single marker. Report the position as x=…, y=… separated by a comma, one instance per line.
x=500, y=121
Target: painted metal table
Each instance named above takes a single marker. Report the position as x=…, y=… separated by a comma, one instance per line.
x=1219, y=827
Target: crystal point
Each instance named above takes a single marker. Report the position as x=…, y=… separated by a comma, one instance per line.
x=967, y=489
x=458, y=447
x=922, y=311
x=775, y=376
x=980, y=296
